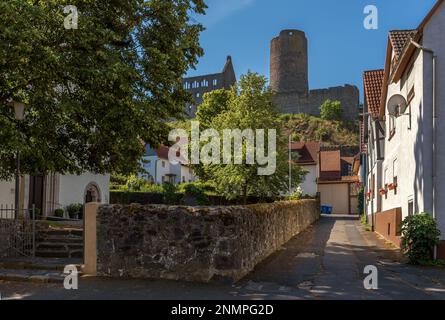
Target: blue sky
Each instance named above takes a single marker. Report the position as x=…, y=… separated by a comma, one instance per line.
x=340, y=48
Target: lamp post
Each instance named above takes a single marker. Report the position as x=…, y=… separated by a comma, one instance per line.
x=19, y=113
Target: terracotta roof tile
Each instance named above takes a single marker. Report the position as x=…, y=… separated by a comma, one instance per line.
x=330, y=161
x=364, y=147
x=373, y=85
x=308, y=152
x=399, y=39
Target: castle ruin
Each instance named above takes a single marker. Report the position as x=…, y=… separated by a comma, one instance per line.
x=289, y=79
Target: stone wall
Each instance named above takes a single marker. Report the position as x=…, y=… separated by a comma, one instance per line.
x=195, y=243
x=310, y=104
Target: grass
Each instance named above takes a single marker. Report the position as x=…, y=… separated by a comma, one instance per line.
x=310, y=128
x=364, y=222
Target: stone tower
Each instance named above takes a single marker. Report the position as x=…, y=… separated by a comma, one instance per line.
x=289, y=63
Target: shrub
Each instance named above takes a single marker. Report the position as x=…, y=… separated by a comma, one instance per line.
x=171, y=195
x=197, y=191
x=331, y=110
x=75, y=211
x=322, y=134
x=361, y=202
x=419, y=237
x=59, y=213
x=37, y=213
x=297, y=195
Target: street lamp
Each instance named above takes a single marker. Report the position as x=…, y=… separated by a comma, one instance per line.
x=19, y=114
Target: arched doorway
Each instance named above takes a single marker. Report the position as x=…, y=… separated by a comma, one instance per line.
x=92, y=193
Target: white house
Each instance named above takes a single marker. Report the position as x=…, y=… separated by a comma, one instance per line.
x=307, y=158
x=55, y=191
x=160, y=170
x=406, y=141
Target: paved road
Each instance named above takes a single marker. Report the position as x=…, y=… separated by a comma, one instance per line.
x=324, y=262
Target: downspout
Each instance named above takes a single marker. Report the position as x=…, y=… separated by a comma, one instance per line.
x=434, y=138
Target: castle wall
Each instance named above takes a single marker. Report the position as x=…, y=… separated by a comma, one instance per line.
x=310, y=104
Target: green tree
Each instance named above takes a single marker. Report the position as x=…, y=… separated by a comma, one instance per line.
x=331, y=110
x=94, y=93
x=214, y=103
x=250, y=107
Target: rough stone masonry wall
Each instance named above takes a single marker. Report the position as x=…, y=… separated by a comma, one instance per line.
x=311, y=103
x=195, y=243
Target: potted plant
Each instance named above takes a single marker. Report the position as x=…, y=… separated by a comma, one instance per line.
x=369, y=195
x=59, y=213
x=75, y=211
x=383, y=192
x=392, y=186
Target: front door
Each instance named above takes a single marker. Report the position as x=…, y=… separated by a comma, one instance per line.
x=36, y=184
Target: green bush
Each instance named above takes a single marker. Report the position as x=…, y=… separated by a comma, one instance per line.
x=75, y=211
x=171, y=195
x=361, y=201
x=322, y=134
x=59, y=213
x=419, y=237
x=197, y=191
x=37, y=214
x=331, y=110
x=297, y=195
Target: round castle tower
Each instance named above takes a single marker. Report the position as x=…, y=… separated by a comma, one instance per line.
x=289, y=63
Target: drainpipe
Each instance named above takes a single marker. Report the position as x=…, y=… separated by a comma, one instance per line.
x=434, y=138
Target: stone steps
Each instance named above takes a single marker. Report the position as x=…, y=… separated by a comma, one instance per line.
x=51, y=253
x=60, y=243
x=36, y=270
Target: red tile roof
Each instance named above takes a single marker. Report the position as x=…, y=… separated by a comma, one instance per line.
x=308, y=152
x=363, y=146
x=330, y=161
x=163, y=151
x=399, y=38
x=373, y=85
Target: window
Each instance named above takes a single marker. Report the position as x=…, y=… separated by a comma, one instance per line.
x=163, y=179
x=392, y=126
x=183, y=179
x=411, y=207
x=411, y=96
x=198, y=95
x=163, y=164
x=215, y=82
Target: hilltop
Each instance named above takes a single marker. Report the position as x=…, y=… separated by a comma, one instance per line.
x=303, y=127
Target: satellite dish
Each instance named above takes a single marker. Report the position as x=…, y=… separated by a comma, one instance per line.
x=397, y=105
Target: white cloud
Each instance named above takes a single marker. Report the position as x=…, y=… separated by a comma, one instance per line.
x=219, y=10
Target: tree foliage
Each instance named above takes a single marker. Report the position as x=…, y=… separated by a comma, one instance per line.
x=249, y=106
x=94, y=93
x=331, y=110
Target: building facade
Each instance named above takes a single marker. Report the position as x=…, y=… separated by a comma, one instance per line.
x=56, y=191
x=200, y=85
x=406, y=161
x=159, y=169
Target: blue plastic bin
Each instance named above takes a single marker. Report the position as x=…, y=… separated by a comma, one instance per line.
x=326, y=209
